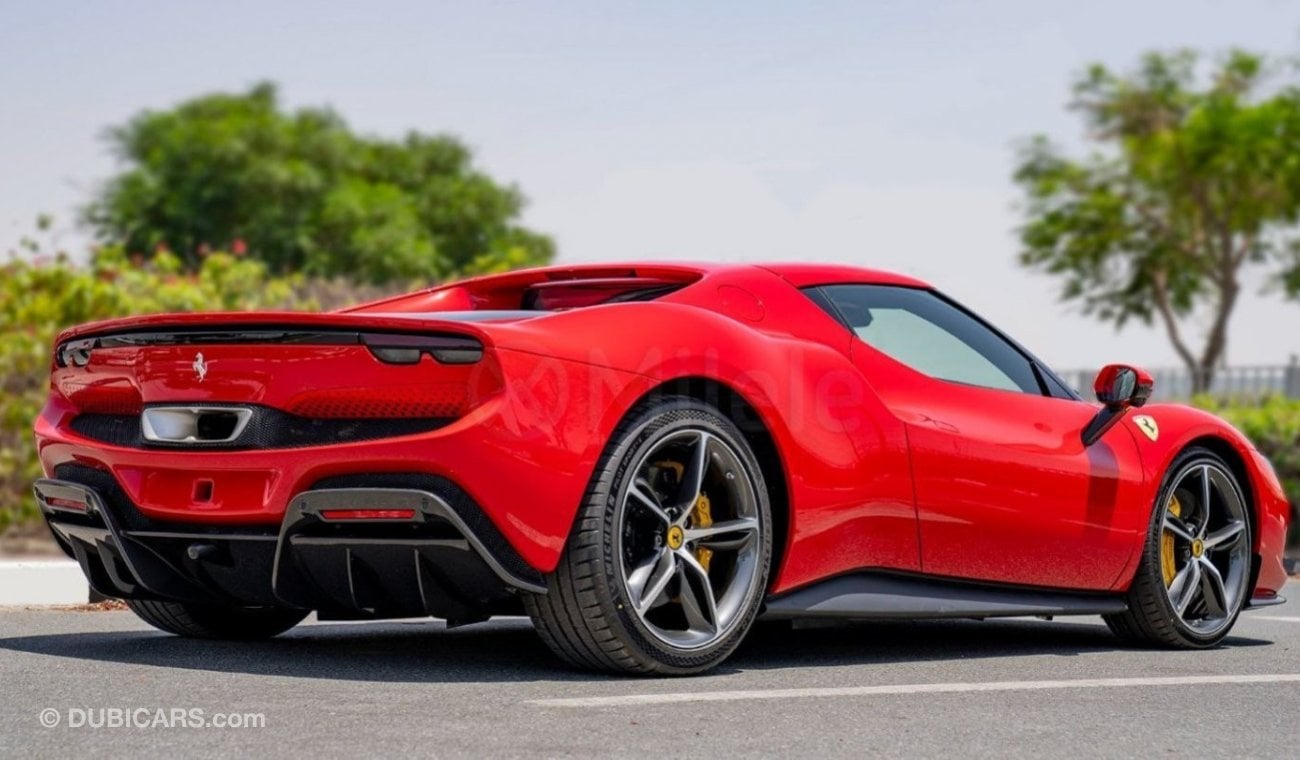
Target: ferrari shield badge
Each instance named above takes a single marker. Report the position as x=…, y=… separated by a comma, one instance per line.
x=1148, y=426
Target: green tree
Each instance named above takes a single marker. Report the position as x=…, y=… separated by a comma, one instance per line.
x=302, y=192
x=1196, y=177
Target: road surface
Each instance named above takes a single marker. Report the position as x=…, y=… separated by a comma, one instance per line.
x=1022, y=688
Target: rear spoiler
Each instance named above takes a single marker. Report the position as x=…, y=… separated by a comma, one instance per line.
x=542, y=290
x=271, y=321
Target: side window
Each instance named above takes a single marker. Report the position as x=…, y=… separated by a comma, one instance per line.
x=930, y=335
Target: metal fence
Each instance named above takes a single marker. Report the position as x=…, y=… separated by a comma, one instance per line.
x=1245, y=382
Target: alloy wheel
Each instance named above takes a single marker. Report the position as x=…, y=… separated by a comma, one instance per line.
x=689, y=539
x=1204, y=548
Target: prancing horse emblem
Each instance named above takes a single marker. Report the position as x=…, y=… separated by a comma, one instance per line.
x=200, y=366
x=1148, y=426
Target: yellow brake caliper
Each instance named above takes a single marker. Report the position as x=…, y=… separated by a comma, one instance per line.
x=701, y=514
x=702, y=517
x=1167, y=564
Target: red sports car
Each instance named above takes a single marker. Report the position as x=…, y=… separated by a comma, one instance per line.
x=644, y=459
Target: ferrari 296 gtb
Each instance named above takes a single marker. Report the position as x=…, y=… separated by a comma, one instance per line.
x=644, y=459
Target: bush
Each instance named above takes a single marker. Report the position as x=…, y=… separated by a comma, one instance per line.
x=38, y=300
x=1273, y=425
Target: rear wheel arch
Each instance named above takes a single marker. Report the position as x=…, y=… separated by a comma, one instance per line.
x=744, y=415
x=600, y=612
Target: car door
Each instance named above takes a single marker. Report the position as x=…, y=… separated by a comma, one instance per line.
x=1005, y=489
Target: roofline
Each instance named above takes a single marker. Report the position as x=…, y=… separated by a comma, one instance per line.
x=803, y=275
x=797, y=273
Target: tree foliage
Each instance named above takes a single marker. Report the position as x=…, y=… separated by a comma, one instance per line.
x=1196, y=177
x=302, y=192
x=1273, y=426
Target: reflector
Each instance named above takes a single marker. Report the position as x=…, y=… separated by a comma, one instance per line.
x=367, y=514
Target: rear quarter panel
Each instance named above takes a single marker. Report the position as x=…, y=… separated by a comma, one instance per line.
x=848, y=486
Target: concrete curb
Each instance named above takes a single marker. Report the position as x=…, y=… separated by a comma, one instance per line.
x=28, y=583
x=53, y=582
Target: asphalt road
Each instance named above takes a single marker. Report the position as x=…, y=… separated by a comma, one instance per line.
x=965, y=689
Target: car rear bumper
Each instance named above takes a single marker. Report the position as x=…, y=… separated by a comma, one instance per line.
x=396, y=545
x=524, y=456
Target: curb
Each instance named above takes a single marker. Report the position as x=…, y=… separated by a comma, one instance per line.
x=53, y=582
x=29, y=583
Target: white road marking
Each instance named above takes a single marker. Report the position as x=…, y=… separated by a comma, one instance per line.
x=1283, y=618
x=628, y=700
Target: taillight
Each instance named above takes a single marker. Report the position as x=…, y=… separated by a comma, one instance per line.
x=407, y=349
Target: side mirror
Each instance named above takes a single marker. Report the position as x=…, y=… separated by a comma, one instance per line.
x=1119, y=387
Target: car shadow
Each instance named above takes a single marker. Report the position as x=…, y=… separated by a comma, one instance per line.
x=508, y=650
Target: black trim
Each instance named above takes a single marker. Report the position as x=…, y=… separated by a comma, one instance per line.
x=267, y=429
x=240, y=336
x=77, y=351
x=1057, y=388
x=1263, y=602
x=819, y=297
x=1105, y=419
x=889, y=595
x=449, y=562
x=424, y=562
x=455, y=497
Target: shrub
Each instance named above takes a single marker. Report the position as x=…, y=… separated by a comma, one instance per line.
x=1273, y=425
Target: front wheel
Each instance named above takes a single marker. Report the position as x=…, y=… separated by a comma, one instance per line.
x=1192, y=580
x=667, y=564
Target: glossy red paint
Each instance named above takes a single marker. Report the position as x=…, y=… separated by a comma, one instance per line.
x=803, y=275
x=315, y=381
x=878, y=466
x=524, y=454
x=1006, y=490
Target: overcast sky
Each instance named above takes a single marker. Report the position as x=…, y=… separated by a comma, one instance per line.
x=874, y=133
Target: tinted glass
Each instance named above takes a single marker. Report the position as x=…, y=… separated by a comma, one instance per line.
x=932, y=336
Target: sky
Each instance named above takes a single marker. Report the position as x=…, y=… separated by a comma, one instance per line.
x=880, y=134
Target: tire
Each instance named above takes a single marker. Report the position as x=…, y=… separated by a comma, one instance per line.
x=588, y=617
x=1153, y=618
x=197, y=621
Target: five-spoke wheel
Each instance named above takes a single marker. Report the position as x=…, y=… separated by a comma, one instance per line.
x=1192, y=582
x=1204, y=556
x=689, y=538
x=667, y=564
